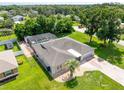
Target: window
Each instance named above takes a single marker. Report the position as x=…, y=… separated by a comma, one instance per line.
x=7, y=73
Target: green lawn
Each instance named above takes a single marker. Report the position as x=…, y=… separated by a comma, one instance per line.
x=76, y=23
x=33, y=76
x=2, y=38
x=113, y=53
x=122, y=36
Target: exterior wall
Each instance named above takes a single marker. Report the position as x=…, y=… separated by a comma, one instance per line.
x=58, y=70
x=14, y=74
x=15, y=70
x=1, y=75
x=86, y=57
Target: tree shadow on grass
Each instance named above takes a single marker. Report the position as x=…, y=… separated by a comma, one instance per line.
x=62, y=35
x=43, y=69
x=72, y=83
x=110, y=53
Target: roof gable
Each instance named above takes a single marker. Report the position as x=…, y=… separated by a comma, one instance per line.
x=7, y=61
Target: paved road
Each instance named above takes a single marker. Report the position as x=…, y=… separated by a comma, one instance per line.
x=121, y=42
x=108, y=69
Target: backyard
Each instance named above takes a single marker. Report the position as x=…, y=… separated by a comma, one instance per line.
x=33, y=76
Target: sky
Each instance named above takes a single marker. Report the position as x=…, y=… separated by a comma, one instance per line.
x=58, y=1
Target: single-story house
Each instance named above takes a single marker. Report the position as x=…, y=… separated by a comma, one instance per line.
x=39, y=38
x=8, y=65
x=18, y=18
x=54, y=53
x=12, y=12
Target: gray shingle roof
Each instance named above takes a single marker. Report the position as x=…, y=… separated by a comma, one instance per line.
x=41, y=38
x=54, y=52
x=7, y=61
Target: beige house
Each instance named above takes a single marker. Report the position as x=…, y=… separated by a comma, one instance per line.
x=8, y=65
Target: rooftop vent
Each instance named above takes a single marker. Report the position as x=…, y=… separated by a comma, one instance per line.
x=43, y=46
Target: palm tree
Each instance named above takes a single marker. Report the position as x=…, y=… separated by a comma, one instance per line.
x=72, y=64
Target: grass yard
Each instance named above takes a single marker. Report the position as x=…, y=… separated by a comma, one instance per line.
x=33, y=76
x=113, y=53
x=2, y=38
x=76, y=23
x=122, y=36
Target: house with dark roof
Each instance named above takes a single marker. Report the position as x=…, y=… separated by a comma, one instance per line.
x=40, y=38
x=54, y=53
x=17, y=18
x=8, y=65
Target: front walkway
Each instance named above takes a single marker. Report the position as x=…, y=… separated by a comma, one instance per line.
x=99, y=64
x=76, y=28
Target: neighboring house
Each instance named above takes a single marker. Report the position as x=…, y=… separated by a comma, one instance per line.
x=54, y=53
x=39, y=38
x=12, y=12
x=8, y=65
x=18, y=18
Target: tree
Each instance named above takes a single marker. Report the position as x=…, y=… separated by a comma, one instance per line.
x=64, y=25
x=90, y=21
x=8, y=23
x=103, y=31
x=31, y=27
x=114, y=30
x=20, y=31
x=109, y=29
x=42, y=22
x=72, y=64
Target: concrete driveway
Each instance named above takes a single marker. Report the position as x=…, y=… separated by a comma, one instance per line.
x=112, y=71
x=108, y=69
x=76, y=28
x=27, y=52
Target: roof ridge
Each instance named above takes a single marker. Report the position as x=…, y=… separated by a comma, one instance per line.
x=59, y=51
